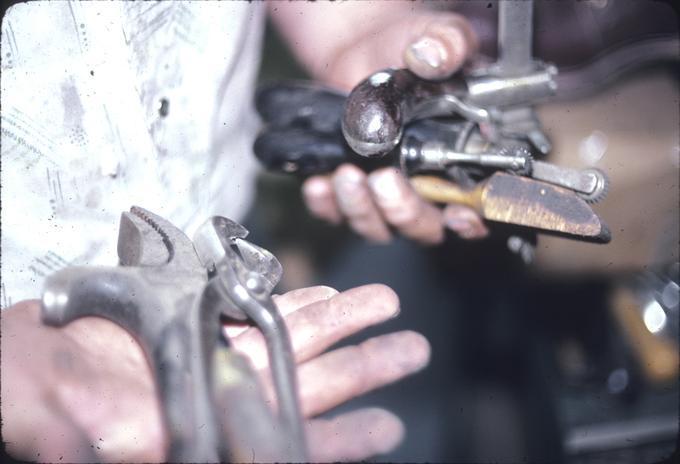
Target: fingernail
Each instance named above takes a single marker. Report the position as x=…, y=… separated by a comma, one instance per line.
x=385, y=185
x=460, y=213
x=396, y=313
x=348, y=175
x=346, y=188
x=457, y=224
x=458, y=219
x=315, y=187
x=428, y=51
x=467, y=233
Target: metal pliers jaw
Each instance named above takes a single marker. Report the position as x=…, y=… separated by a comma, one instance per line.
x=165, y=297
x=242, y=272
x=244, y=277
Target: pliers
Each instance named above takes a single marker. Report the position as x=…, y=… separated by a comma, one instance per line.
x=172, y=295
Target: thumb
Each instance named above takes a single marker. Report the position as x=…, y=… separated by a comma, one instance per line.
x=439, y=45
x=432, y=45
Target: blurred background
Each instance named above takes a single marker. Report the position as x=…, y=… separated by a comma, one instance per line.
x=573, y=358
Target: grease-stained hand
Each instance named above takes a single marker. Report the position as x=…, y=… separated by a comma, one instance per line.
x=84, y=392
x=433, y=46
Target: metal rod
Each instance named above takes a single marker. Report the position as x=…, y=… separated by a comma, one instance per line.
x=515, y=37
x=282, y=363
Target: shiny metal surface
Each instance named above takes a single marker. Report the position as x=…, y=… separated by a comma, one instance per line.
x=515, y=35
x=525, y=89
x=171, y=302
x=246, y=275
x=591, y=184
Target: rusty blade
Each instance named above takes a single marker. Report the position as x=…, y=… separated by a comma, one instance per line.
x=520, y=200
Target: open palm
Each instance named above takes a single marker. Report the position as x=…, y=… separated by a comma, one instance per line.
x=85, y=392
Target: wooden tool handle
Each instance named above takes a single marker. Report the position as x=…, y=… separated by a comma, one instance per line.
x=439, y=190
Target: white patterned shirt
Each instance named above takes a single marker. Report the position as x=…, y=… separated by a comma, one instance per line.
x=106, y=105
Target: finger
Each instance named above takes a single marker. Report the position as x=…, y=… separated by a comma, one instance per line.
x=345, y=373
x=315, y=327
x=440, y=45
x=433, y=45
x=403, y=208
x=296, y=299
x=354, y=436
x=356, y=203
x=319, y=197
x=287, y=303
x=465, y=222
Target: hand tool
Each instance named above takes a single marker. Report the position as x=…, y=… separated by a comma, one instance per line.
x=507, y=198
x=464, y=129
x=172, y=299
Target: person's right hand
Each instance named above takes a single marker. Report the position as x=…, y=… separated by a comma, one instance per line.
x=85, y=393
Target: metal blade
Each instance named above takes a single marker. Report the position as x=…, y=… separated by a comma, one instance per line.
x=214, y=242
x=528, y=202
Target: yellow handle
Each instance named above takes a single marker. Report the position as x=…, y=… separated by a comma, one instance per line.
x=439, y=190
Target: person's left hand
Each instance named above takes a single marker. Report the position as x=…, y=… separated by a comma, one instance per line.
x=85, y=392
x=341, y=44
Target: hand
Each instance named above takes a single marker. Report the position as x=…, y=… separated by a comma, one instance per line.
x=85, y=393
x=373, y=203
x=381, y=34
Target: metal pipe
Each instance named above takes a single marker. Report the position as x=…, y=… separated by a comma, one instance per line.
x=515, y=37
